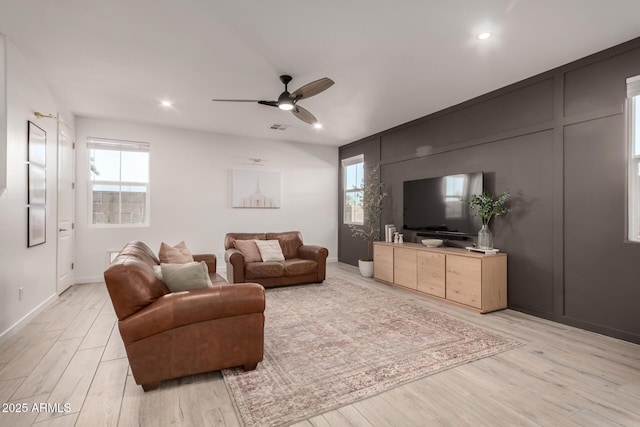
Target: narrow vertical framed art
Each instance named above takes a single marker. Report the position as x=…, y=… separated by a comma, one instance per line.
x=37, y=187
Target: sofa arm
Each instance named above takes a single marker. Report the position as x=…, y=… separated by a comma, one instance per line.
x=313, y=252
x=209, y=259
x=318, y=254
x=235, y=265
x=189, y=307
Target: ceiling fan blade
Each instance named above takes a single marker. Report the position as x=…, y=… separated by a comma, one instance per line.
x=312, y=88
x=236, y=100
x=304, y=115
x=269, y=103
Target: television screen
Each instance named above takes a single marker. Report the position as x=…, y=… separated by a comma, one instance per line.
x=433, y=205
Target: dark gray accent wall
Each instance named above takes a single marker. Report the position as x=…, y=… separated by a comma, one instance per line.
x=351, y=249
x=557, y=142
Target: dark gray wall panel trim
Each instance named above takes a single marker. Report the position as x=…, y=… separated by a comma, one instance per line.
x=568, y=257
x=542, y=127
x=596, y=57
x=558, y=200
x=599, y=84
x=521, y=107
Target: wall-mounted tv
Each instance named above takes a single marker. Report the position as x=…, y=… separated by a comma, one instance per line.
x=432, y=206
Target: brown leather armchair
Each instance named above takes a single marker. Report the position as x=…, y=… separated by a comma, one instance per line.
x=302, y=264
x=170, y=335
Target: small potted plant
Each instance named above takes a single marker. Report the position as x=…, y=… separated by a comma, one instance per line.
x=486, y=207
x=371, y=202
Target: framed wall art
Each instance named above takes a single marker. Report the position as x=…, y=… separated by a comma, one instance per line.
x=37, y=187
x=256, y=189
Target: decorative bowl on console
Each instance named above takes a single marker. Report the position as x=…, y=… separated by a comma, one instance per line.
x=432, y=243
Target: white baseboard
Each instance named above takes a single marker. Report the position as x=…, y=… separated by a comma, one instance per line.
x=94, y=279
x=332, y=259
x=26, y=318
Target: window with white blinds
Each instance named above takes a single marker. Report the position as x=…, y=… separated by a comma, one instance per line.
x=118, y=182
x=353, y=189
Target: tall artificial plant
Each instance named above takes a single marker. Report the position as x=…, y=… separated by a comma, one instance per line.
x=371, y=202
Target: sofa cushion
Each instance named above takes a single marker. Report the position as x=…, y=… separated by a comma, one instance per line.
x=249, y=250
x=270, y=250
x=229, y=238
x=298, y=267
x=259, y=270
x=289, y=241
x=184, y=277
x=178, y=254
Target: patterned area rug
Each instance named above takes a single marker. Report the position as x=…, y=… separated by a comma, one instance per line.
x=331, y=344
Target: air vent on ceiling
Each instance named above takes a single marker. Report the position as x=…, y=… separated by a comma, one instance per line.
x=278, y=127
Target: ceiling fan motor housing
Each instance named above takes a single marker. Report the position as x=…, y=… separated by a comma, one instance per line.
x=285, y=102
x=286, y=79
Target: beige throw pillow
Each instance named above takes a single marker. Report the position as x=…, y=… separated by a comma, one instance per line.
x=270, y=250
x=184, y=277
x=178, y=254
x=249, y=250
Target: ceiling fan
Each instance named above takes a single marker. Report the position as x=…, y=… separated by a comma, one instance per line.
x=289, y=101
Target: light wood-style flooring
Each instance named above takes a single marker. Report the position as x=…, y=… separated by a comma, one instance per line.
x=561, y=376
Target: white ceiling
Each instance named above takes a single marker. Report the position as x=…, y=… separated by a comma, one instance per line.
x=392, y=61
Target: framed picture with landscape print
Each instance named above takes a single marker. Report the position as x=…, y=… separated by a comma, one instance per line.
x=37, y=187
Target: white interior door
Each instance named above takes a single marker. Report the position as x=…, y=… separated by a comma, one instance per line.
x=66, y=171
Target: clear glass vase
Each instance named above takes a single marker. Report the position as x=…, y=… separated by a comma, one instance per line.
x=485, y=238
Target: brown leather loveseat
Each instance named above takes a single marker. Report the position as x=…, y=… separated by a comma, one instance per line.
x=170, y=335
x=302, y=263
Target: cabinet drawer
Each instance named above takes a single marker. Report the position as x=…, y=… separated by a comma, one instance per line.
x=404, y=267
x=383, y=263
x=464, y=280
x=431, y=273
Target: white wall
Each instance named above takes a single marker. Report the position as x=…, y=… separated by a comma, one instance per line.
x=3, y=116
x=32, y=268
x=190, y=192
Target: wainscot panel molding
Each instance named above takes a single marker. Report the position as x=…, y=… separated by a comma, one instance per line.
x=557, y=142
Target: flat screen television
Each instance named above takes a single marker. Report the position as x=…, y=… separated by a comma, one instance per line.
x=432, y=206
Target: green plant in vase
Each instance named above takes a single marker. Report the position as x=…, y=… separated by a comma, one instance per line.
x=486, y=207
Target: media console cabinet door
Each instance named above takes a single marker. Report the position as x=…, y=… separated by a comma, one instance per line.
x=383, y=263
x=464, y=280
x=405, y=267
x=431, y=273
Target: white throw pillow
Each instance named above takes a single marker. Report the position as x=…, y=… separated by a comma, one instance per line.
x=184, y=277
x=270, y=250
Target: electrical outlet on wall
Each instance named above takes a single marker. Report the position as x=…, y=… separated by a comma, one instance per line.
x=20, y=293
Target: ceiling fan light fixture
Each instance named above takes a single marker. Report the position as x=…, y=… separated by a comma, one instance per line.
x=285, y=102
x=317, y=125
x=286, y=106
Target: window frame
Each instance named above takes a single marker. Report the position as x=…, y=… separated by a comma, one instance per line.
x=120, y=146
x=633, y=165
x=346, y=163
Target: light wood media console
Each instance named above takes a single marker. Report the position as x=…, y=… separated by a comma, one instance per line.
x=474, y=280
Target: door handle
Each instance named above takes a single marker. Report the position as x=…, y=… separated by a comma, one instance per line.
x=62, y=229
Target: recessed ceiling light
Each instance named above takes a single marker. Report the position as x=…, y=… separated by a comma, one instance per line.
x=317, y=125
x=166, y=103
x=483, y=36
